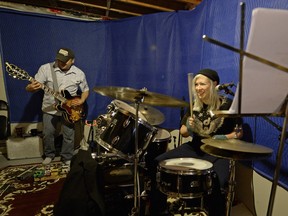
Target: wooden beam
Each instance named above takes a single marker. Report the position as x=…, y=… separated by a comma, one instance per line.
x=146, y=4
x=100, y=7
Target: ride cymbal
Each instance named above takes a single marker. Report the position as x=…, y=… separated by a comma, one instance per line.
x=235, y=149
x=146, y=97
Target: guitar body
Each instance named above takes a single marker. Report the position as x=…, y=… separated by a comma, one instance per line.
x=70, y=113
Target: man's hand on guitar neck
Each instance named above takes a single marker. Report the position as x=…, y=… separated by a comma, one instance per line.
x=33, y=86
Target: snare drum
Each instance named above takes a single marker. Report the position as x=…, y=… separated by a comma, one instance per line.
x=185, y=177
x=119, y=135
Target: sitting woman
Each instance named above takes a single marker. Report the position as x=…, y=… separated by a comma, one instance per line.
x=201, y=124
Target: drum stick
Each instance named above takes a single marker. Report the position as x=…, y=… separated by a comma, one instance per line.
x=190, y=81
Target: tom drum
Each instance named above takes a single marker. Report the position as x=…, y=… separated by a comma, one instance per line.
x=118, y=136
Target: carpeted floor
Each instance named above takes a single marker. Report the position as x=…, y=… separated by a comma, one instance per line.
x=30, y=189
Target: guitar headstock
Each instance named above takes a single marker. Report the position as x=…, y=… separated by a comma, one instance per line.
x=17, y=72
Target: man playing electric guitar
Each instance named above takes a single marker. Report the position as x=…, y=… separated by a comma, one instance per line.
x=62, y=76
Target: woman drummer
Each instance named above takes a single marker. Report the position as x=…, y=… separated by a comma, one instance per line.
x=202, y=124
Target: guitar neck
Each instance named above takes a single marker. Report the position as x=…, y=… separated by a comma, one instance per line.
x=50, y=91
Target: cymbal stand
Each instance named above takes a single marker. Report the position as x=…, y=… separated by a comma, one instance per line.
x=231, y=187
x=136, y=208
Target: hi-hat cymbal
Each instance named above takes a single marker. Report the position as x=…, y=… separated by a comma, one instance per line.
x=235, y=149
x=153, y=116
x=146, y=97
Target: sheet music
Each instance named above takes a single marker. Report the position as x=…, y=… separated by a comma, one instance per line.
x=264, y=88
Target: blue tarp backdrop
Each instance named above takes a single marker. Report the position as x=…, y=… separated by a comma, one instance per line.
x=154, y=51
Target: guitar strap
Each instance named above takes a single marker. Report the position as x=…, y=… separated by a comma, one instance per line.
x=55, y=83
x=54, y=78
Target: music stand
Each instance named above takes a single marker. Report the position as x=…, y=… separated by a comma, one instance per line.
x=267, y=74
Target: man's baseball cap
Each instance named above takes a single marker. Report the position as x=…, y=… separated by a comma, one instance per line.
x=64, y=54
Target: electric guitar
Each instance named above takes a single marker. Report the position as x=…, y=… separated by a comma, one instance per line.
x=70, y=113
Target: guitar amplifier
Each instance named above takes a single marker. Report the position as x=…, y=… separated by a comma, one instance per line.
x=28, y=147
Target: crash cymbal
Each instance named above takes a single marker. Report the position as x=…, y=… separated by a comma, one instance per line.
x=153, y=116
x=149, y=98
x=235, y=149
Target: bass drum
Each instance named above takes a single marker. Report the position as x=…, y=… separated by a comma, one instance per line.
x=118, y=136
x=185, y=177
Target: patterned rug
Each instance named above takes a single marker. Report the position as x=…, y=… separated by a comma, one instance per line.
x=30, y=189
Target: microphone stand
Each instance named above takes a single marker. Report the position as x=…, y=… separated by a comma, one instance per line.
x=228, y=91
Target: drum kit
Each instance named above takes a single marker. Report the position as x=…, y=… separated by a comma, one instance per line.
x=130, y=132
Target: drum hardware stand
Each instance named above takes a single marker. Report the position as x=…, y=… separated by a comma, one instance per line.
x=179, y=134
x=182, y=208
x=92, y=143
x=231, y=187
x=136, y=208
x=174, y=140
x=179, y=140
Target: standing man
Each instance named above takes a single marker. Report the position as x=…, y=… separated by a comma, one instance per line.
x=60, y=76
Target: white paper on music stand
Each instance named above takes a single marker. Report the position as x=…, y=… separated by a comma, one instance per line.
x=264, y=88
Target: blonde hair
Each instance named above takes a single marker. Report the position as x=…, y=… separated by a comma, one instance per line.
x=214, y=98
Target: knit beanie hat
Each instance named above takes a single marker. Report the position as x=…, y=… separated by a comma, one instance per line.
x=211, y=74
